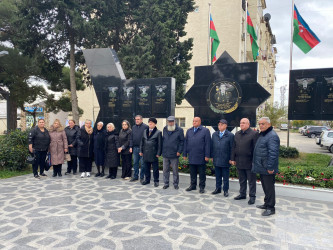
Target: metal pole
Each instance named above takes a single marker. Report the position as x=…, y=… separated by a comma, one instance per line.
x=291, y=59
x=208, y=44
x=245, y=30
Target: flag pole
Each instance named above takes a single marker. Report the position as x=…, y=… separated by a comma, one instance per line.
x=291, y=60
x=208, y=45
x=245, y=31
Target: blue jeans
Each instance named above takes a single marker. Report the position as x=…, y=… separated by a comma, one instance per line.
x=220, y=173
x=138, y=159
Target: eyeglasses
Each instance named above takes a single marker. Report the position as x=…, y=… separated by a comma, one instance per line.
x=262, y=123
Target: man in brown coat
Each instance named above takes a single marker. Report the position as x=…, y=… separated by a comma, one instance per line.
x=241, y=156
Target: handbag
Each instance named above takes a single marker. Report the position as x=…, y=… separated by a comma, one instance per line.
x=68, y=157
x=48, y=163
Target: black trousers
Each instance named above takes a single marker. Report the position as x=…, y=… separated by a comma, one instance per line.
x=85, y=164
x=113, y=172
x=40, y=157
x=268, y=185
x=126, y=165
x=57, y=169
x=72, y=165
x=156, y=174
x=194, y=170
x=245, y=175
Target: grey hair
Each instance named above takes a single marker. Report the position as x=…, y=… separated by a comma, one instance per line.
x=265, y=118
x=112, y=125
x=100, y=123
x=87, y=120
x=140, y=116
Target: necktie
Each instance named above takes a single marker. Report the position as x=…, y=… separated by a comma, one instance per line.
x=195, y=130
x=150, y=132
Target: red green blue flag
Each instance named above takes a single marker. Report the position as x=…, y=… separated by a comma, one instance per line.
x=253, y=37
x=303, y=36
x=215, y=41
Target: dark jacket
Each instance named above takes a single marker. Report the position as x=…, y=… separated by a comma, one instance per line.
x=266, y=153
x=125, y=141
x=221, y=148
x=40, y=140
x=173, y=142
x=197, y=145
x=85, y=144
x=137, y=133
x=242, y=150
x=112, y=159
x=73, y=135
x=99, y=139
x=151, y=145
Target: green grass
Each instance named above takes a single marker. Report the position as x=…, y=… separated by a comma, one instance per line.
x=4, y=174
x=306, y=159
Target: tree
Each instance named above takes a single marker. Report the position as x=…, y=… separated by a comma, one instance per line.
x=274, y=112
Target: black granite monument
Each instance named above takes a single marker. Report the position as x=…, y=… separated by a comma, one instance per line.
x=311, y=94
x=120, y=98
x=227, y=90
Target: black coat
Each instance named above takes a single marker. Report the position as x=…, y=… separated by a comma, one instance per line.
x=173, y=142
x=137, y=133
x=73, y=135
x=242, y=150
x=151, y=145
x=125, y=141
x=221, y=148
x=86, y=144
x=40, y=140
x=99, y=139
x=111, y=150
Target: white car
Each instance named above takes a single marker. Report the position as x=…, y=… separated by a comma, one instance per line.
x=301, y=129
x=327, y=140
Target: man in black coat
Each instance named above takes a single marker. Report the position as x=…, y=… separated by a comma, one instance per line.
x=173, y=143
x=150, y=150
x=241, y=156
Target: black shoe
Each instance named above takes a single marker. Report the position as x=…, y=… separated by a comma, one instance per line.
x=239, y=197
x=145, y=182
x=59, y=174
x=202, y=191
x=165, y=186
x=268, y=212
x=113, y=177
x=190, y=188
x=66, y=173
x=261, y=207
x=133, y=179
x=226, y=194
x=37, y=176
x=217, y=191
x=141, y=181
x=155, y=184
x=176, y=187
x=98, y=174
x=251, y=201
x=54, y=175
x=102, y=174
x=108, y=177
x=43, y=174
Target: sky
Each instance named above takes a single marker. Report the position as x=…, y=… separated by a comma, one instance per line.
x=318, y=14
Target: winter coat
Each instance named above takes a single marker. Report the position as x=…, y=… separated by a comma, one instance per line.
x=58, y=145
x=266, y=153
x=151, y=145
x=40, y=140
x=85, y=144
x=73, y=135
x=125, y=141
x=242, y=150
x=221, y=148
x=173, y=142
x=112, y=159
x=137, y=133
x=197, y=145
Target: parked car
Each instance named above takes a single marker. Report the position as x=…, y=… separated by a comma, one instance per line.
x=327, y=140
x=284, y=126
x=318, y=138
x=305, y=128
x=300, y=130
x=314, y=131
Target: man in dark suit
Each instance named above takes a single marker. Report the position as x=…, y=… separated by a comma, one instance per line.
x=197, y=149
x=241, y=156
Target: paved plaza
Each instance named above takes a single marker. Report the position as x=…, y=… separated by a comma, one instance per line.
x=98, y=213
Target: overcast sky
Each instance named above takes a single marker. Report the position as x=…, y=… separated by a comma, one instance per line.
x=319, y=16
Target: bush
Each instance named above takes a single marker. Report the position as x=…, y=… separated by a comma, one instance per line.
x=288, y=152
x=14, y=151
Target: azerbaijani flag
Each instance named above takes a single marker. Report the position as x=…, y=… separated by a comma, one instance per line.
x=215, y=41
x=303, y=36
x=253, y=37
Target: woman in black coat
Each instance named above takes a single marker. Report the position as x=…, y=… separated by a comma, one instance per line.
x=86, y=149
x=111, y=151
x=73, y=133
x=99, y=144
x=125, y=149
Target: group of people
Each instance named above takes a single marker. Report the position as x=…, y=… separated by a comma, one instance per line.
x=251, y=152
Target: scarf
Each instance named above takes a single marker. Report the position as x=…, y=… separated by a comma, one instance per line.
x=89, y=130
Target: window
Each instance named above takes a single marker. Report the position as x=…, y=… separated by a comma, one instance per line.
x=330, y=135
x=181, y=122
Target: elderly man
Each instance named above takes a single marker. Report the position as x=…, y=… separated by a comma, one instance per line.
x=137, y=133
x=197, y=148
x=173, y=143
x=266, y=163
x=222, y=141
x=241, y=156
